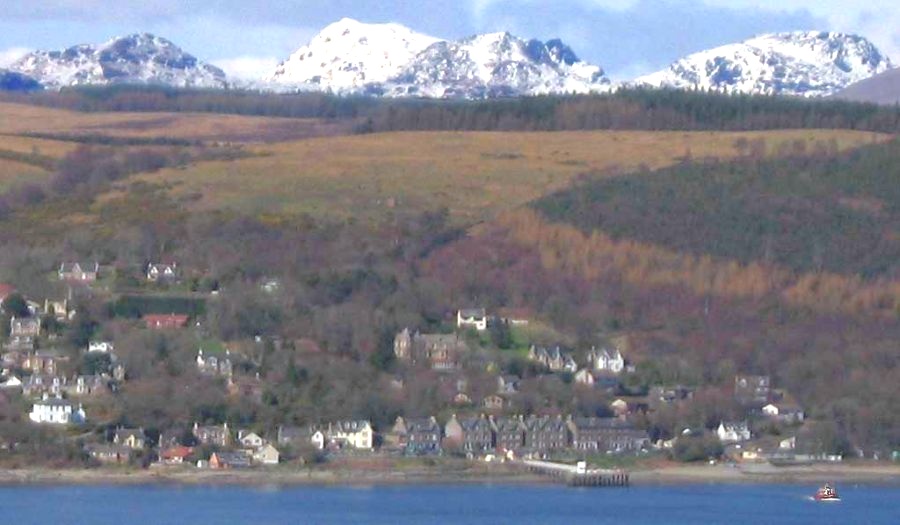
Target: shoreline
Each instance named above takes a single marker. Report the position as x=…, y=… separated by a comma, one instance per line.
x=884, y=474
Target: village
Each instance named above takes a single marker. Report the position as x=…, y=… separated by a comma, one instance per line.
x=483, y=416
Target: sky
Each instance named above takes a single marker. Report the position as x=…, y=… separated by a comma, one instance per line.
x=626, y=37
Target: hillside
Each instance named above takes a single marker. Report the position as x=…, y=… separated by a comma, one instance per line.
x=473, y=175
x=303, y=246
x=805, y=214
x=880, y=89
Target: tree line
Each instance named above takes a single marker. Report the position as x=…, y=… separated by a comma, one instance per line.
x=643, y=109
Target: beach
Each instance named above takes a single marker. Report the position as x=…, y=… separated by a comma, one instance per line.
x=881, y=473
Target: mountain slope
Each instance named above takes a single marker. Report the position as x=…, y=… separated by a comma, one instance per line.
x=350, y=57
x=880, y=89
x=497, y=64
x=134, y=59
x=347, y=55
x=808, y=64
x=12, y=81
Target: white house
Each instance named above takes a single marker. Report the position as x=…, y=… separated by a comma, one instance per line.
x=788, y=444
x=56, y=411
x=266, y=455
x=105, y=347
x=317, y=438
x=584, y=377
x=606, y=360
x=10, y=382
x=784, y=413
x=356, y=434
x=157, y=272
x=733, y=432
x=250, y=439
x=472, y=318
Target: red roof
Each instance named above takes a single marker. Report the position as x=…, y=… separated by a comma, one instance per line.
x=165, y=320
x=177, y=452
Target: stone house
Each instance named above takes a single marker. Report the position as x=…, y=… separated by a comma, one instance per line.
x=508, y=384
x=493, y=402
x=216, y=435
x=546, y=433
x=554, y=359
x=752, y=390
x=439, y=351
x=509, y=433
x=472, y=434
x=417, y=436
x=133, y=438
x=43, y=362
x=229, y=460
x=606, y=435
x=24, y=326
x=109, y=453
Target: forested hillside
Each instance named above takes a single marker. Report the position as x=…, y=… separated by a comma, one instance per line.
x=305, y=245
x=811, y=212
x=639, y=109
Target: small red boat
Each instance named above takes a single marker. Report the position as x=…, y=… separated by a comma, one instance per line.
x=827, y=493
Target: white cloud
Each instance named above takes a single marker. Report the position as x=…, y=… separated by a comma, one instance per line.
x=247, y=67
x=8, y=56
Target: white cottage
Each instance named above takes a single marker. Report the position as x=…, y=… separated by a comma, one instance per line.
x=733, y=432
x=472, y=318
x=104, y=347
x=605, y=360
x=56, y=411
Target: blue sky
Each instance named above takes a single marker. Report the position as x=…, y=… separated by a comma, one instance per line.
x=626, y=37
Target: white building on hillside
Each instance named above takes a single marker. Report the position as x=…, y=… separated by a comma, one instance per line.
x=605, y=360
x=56, y=411
x=472, y=318
x=105, y=347
x=733, y=432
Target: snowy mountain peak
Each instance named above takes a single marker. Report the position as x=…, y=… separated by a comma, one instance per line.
x=496, y=64
x=348, y=54
x=803, y=63
x=141, y=58
x=389, y=59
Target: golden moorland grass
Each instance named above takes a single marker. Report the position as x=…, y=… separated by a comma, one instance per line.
x=474, y=174
x=12, y=173
x=20, y=118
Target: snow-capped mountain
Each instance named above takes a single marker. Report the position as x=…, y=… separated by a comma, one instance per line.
x=809, y=64
x=134, y=59
x=496, y=64
x=350, y=57
x=12, y=81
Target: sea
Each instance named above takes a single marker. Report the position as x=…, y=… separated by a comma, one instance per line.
x=452, y=504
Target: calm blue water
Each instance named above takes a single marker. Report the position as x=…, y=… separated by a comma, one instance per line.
x=436, y=504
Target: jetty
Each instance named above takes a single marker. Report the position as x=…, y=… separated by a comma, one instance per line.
x=578, y=475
